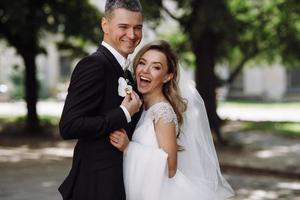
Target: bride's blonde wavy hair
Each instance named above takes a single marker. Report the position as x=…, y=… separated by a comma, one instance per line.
x=170, y=88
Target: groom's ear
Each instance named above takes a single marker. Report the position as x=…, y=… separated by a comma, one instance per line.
x=104, y=25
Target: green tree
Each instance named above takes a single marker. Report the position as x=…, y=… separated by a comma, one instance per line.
x=234, y=32
x=23, y=23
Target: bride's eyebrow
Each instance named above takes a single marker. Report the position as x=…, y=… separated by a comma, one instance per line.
x=143, y=59
x=157, y=63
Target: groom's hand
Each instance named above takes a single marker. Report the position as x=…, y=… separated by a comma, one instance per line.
x=132, y=103
x=119, y=139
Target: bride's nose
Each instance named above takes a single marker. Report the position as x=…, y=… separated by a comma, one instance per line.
x=146, y=68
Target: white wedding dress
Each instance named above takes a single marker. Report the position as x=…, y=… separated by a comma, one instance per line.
x=146, y=170
x=198, y=175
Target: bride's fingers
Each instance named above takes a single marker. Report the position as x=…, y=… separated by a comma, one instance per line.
x=118, y=132
x=114, y=138
x=118, y=144
x=114, y=143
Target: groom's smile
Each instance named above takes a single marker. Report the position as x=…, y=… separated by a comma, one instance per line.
x=123, y=30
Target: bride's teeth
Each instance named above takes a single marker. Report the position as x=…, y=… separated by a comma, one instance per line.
x=144, y=79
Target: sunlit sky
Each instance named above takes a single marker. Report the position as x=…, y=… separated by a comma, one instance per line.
x=99, y=3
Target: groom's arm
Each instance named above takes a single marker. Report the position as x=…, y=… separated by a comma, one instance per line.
x=85, y=93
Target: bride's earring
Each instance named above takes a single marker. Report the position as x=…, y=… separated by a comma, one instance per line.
x=168, y=78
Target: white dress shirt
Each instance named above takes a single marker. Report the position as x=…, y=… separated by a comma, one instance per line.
x=121, y=60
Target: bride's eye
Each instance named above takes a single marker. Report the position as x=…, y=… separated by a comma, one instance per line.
x=141, y=63
x=157, y=67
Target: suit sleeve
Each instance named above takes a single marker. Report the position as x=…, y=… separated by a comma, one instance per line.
x=85, y=94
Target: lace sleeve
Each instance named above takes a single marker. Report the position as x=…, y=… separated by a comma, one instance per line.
x=165, y=112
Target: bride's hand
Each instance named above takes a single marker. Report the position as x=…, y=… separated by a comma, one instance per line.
x=119, y=139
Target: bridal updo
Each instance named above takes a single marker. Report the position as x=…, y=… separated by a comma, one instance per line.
x=170, y=88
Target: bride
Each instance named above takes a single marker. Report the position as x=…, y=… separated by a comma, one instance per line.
x=171, y=155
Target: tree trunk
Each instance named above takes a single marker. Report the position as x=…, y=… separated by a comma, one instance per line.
x=206, y=80
x=31, y=91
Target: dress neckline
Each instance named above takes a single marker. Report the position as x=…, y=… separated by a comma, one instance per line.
x=154, y=105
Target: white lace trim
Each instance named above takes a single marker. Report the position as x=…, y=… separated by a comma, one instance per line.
x=164, y=111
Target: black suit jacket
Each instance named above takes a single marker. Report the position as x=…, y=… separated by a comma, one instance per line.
x=92, y=111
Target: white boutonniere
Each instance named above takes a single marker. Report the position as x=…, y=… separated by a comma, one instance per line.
x=124, y=88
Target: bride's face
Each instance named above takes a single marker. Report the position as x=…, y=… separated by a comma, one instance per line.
x=152, y=72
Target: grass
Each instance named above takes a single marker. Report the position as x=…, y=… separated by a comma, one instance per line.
x=14, y=126
x=51, y=120
x=284, y=128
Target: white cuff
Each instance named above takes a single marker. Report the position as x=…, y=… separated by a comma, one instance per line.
x=128, y=117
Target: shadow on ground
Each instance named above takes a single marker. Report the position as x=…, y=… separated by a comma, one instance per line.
x=32, y=168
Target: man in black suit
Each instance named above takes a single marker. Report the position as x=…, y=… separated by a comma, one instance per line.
x=94, y=108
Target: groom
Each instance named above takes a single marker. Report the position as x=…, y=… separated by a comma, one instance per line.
x=93, y=107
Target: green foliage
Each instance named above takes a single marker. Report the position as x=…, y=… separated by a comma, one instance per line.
x=23, y=22
x=266, y=30
x=151, y=11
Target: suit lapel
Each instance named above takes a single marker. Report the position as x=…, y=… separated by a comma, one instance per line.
x=112, y=60
x=128, y=76
x=132, y=82
x=130, y=127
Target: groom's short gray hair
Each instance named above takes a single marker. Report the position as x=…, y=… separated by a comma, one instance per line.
x=132, y=5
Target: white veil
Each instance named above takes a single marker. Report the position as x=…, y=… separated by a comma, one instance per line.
x=199, y=161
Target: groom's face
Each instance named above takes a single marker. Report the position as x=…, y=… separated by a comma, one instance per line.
x=123, y=30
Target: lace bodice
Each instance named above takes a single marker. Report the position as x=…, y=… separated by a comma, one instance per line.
x=163, y=111
x=145, y=132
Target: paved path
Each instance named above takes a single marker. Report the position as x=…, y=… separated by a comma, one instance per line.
x=262, y=151
x=39, y=179
x=33, y=169
x=233, y=113
x=51, y=108
x=259, y=113
x=32, y=180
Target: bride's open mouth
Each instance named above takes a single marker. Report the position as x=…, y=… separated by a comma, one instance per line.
x=144, y=81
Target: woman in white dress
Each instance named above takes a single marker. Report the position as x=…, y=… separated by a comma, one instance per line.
x=171, y=155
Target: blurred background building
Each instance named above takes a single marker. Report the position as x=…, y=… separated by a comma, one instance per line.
x=270, y=83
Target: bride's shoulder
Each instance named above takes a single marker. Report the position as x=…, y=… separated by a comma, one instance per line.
x=164, y=111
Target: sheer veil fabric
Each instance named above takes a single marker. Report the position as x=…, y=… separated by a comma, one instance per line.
x=198, y=161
